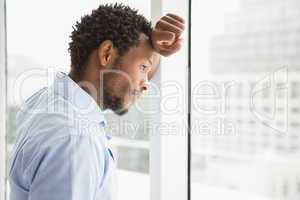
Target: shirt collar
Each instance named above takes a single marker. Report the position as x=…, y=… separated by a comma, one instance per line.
x=64, y=86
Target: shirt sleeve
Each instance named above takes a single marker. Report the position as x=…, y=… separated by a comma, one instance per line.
x=66, y=169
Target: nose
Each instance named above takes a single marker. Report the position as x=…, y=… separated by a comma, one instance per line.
x=145, y=84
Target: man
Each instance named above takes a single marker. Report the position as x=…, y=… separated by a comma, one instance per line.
x=61, y=152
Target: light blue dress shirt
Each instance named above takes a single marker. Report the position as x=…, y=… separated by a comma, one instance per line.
x=61, y=151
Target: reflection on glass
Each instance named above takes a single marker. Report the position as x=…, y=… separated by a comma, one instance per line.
x=244, y=138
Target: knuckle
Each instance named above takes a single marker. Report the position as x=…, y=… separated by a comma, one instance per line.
x=159, y=23
x=164, y=17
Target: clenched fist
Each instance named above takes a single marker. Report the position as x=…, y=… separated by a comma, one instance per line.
x=166, y=34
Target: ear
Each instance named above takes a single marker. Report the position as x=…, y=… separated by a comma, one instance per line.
x=106, y=53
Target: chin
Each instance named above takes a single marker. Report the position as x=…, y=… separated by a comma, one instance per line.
x=121, y=112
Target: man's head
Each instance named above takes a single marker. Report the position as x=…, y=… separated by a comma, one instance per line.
x=111, y=47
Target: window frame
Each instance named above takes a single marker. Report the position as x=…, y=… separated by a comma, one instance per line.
x=169, y=173
x=3, y=92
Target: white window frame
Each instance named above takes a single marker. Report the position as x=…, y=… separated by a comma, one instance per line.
x=2, y=100
x=169, y=153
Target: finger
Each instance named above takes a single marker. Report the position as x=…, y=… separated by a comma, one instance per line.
x=162, y=37
x=173, y=21
x=173, y=48
x=169, y=52
x=166, y=26
x=176, y=17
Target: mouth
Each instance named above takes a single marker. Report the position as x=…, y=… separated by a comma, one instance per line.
x=136, y=94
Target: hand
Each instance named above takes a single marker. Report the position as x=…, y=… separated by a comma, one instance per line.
x=166, y=34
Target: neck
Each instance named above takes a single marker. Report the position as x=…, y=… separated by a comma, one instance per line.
x=75, y=76
x=88, y=82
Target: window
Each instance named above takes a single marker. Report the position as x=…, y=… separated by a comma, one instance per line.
x=3, y=98
x=244, y=97
x=243, y=142
x=151, y=153
x=37, y=44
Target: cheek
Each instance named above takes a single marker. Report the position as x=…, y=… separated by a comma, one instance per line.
x=119, y=85
x=134, y=75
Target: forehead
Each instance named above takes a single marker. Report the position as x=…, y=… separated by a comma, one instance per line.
x=143, y=51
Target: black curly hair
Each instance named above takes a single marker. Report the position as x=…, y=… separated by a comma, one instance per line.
x=116, y=22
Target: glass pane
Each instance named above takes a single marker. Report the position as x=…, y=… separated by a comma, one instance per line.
x=37, y=44
x=245, y=99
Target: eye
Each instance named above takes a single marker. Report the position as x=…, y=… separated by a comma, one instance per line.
x=144, y=68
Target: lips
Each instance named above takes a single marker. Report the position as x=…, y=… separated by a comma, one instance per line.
x=135, y=94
